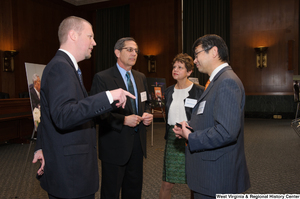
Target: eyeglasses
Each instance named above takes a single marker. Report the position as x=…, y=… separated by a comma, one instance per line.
x=196, y=54
x=132, y=49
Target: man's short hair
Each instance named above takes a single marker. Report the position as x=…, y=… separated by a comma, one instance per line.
x=70, y=23
x=121, y=43
x=211, y=40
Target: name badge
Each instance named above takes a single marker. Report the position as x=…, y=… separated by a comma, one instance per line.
x=143, y=96
x=201, y=108
x=190, y=102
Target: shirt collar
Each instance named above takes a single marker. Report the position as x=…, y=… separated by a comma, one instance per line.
x=213, y=74
x=72, y=58
x=123, y=71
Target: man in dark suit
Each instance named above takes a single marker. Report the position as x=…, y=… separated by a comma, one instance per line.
x=215, y=157
x=35, y=91
x=122, y=132
x=66, y=143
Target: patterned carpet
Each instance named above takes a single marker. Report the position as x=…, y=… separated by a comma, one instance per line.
x=272, y=151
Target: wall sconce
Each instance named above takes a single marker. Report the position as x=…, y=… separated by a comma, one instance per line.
x=8, y=60
x=261, y=56
x=151, y=63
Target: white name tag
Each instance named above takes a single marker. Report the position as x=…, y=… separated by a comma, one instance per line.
x=190, y=102
x=201, y=108
x=143, y=96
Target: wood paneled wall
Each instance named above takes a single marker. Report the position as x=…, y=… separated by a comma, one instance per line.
x=7, y=82
x=271, y=23
x=16, y=120
x=30, y=26
x=156, y=26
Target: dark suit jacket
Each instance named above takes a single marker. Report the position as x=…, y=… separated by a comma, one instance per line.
x=115, y=139
x=66, y=133
x=195, y=93
x=35, y=100
x=215, y=157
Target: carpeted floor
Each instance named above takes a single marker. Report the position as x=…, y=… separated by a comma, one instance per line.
x=272, y=151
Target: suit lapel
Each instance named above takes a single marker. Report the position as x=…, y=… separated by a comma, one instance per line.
x=76, y=74
x=206, y=91
x=170, y=97
x=212, y=82
x=118, y=79
x=81, y=85
x=139, y=88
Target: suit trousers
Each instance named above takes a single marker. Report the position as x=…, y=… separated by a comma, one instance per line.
x=201, y=196
x=86, y=197
x=128, y=177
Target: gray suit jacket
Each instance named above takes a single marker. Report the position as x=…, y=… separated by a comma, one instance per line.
x=215, y=157
x=66, y=133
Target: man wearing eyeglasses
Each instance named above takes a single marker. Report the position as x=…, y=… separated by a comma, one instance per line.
x=215, y=157
x=122, y=132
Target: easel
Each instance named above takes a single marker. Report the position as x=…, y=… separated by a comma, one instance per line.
x=153, y=111
x=27, y=156
x=296, y=122
x=31, y=69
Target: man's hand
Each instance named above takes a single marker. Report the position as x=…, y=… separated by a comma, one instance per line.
x=132, y=120
x=39, y=156
x=120, y=95
x=182, y=132
x=147, y=118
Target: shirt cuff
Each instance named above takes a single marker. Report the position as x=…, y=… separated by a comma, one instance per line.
x=110, y=97
x=36, y=151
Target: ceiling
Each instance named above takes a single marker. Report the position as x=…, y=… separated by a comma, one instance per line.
x=83, y=2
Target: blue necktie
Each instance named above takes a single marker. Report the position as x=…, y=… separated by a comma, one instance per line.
x=80, y=76
x=131, y=90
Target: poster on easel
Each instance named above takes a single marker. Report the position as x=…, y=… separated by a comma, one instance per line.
x=156, y=88
x=296, y=90
x=296, y=122
x=34, y=74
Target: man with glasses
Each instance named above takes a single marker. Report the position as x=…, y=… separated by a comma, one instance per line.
x=122, y=132
x=215, y=157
